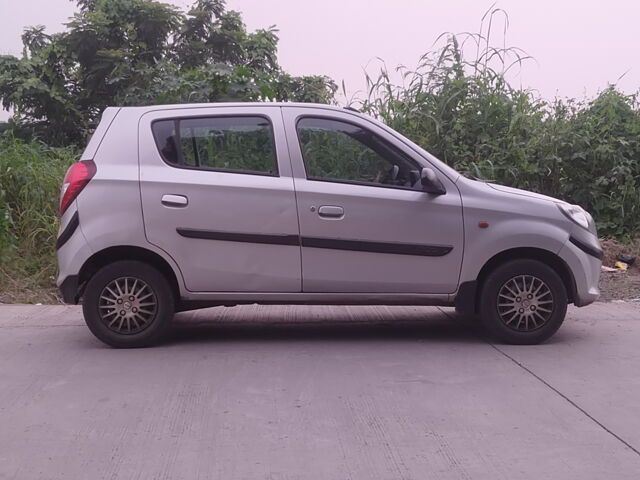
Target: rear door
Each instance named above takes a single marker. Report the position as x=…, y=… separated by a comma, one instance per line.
x=365, y=223
x=217, y=196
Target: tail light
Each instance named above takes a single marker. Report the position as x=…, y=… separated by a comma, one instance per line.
x=74, y=181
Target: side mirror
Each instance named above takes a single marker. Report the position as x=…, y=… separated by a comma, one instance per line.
x=430, y=182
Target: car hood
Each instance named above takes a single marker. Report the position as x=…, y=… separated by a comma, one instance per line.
x=525, y=193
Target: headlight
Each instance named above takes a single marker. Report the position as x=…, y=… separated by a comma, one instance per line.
x=577, y=214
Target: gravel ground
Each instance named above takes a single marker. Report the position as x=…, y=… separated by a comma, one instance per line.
x=620, y=286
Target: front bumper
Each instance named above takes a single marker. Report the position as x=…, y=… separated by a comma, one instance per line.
x=584, y=258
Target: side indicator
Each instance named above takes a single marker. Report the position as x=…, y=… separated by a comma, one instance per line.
x=483, y=224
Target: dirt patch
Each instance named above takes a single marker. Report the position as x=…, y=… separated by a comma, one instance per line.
x=613, y=248
x=620, y=285
x=27, y=290
x=47, y=296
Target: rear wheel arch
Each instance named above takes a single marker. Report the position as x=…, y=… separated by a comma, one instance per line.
x=113, y=254
x=469, y=292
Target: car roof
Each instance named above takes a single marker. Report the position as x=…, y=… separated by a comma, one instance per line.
x=151, y=108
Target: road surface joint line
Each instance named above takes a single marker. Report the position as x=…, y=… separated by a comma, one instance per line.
x=554, y=389
x=574, y=404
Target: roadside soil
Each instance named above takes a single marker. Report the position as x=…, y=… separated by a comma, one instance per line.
x=620, y=285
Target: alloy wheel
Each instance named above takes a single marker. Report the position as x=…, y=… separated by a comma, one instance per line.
x=525, y=303
x=127, y=305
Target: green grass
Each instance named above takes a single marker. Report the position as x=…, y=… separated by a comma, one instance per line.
x=30, y=178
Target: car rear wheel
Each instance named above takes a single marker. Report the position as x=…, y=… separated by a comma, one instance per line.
x=523, y=302
x=128, y=304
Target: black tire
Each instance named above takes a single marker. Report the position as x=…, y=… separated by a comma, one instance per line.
x=151, y=322
x=522, y=277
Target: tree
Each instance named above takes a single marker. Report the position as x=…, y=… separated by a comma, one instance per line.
x=137, y=52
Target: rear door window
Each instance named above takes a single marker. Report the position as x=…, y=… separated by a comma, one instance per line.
x=235, y=144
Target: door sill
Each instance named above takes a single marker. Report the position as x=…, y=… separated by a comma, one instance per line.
x=194, y=301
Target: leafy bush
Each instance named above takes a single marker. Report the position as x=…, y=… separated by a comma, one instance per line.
x=142, y=52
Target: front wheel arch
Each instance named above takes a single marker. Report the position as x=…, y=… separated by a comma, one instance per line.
x=468, y=298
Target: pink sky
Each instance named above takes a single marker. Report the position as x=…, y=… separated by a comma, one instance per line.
x=579, y=46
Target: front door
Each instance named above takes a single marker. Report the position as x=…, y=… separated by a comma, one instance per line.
x=217, y=196
x=365, y=223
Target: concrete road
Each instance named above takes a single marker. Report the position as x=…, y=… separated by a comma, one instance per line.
x=320, y=393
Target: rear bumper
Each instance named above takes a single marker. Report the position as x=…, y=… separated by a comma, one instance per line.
x=68, y=231
x=72, y=251
x=69, y=289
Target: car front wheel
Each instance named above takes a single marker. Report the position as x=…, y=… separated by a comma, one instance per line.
x=523, y=302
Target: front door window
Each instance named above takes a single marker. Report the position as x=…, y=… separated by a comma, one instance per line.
x=342, y=152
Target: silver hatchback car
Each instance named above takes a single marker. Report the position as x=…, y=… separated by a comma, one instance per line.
x=177, y=207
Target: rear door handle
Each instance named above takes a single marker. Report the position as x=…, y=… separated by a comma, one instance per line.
x=175, y=201
x=331, y=211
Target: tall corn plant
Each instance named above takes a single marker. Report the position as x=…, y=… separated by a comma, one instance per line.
x=458, y=104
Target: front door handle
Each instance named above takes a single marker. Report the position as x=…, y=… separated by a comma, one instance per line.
x=331, y=211
x=175, y=201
